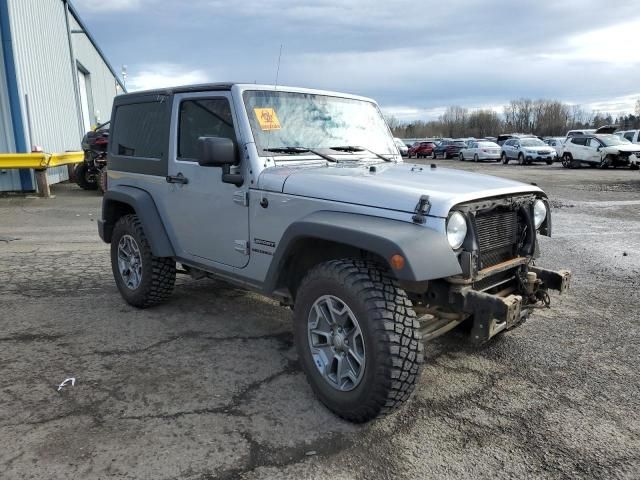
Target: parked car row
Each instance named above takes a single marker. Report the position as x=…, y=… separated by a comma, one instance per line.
x=593, y=147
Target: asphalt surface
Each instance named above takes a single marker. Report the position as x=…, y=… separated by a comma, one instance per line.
x=208, y=385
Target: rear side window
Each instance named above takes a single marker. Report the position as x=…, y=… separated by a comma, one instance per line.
x=138, y=130
x=579, y=141
x=210, y=117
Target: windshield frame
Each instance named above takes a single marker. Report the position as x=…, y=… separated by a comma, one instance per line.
x=262, y=150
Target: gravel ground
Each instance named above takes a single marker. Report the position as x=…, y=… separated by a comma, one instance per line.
x=208, y=385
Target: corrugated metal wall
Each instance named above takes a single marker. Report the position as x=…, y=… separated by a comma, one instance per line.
x=46, y=76
x=102, y=83
x=9, y=179
x=44, y=71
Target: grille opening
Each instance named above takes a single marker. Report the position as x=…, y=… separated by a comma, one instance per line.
x=497, y=235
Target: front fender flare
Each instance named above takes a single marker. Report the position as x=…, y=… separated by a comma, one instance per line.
x=427, y=253
x=145, y=208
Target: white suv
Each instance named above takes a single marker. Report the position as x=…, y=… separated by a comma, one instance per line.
x=601, y=149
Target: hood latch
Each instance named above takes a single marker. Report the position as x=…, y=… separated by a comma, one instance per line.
x=422, y=209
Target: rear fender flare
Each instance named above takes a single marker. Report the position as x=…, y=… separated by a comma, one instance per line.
x=141, y=202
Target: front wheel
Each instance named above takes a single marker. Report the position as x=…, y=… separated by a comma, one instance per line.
x=143, y=279
x=521, y=160
x=504, y=158
x=433, y=155
x=461, y=157
x=475, y=158
x=357, y=338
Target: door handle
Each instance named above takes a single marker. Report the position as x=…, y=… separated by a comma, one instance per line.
x=179, y=178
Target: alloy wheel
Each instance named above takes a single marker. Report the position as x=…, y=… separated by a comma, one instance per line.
x=129, y=262
x=336, y=343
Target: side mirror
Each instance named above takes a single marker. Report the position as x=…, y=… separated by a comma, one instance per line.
x=216, y=151
x=220, y=152
x=517, y=145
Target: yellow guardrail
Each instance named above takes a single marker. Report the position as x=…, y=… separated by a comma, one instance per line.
x=39, y=161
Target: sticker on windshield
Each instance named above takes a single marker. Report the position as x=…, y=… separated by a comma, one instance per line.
x=267, y=118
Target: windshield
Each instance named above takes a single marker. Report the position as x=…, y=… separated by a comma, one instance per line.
x=287, y=119
x=532, y=142
x=612, y=140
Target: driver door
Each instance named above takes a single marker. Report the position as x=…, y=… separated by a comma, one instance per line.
x=209, y=218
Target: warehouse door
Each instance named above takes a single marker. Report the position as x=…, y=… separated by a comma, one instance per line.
x=83, y=86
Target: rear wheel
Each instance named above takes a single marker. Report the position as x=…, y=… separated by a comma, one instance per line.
x=357, y=337
x=85, y=178
x=143, y=279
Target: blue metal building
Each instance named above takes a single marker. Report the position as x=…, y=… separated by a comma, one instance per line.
x=55, y=83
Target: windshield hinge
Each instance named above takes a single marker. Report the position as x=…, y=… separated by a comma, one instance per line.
x=241, y=197
x=241, y=246
x=422, y=209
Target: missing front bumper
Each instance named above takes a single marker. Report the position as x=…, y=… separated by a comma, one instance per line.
x=494, y=313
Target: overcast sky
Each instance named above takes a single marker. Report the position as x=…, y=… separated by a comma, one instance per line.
x=413, y=57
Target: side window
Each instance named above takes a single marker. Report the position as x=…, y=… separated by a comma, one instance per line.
x=593, y=143
x=629, y=136
x=205, y=117
x=139, y=130
x=579, y=141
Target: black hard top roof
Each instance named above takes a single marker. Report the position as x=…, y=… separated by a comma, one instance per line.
x=203, y=87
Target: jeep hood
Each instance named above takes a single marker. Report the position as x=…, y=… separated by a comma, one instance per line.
x=389, y=186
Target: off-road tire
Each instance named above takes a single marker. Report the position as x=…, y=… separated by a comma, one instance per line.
x=158, y=273
x=390, y=330
x=82, y=180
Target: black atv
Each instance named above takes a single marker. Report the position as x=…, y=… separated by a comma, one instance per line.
x=91, y=174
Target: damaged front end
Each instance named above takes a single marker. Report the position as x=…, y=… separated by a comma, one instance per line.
x=500, y=285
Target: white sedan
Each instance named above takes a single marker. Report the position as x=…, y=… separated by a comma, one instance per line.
x=481, y=150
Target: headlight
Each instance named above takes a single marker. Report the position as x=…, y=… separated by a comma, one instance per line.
x=539, y=213
x=456, y=230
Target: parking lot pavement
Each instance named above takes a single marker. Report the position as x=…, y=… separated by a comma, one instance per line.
x=207, y=385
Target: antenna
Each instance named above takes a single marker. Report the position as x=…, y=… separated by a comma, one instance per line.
x=124, y=76
x=275, y=87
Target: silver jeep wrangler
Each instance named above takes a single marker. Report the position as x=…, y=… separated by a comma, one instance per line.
x=302, y=195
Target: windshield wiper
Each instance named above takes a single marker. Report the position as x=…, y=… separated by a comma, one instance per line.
x=296, y=150
x=354, y=149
